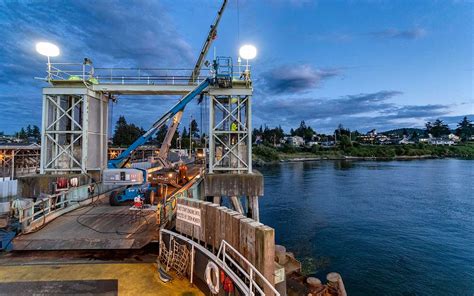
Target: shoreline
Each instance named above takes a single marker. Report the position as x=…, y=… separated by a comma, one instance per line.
x=260, y=162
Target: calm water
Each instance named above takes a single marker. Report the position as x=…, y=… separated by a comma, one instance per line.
x=389, y=228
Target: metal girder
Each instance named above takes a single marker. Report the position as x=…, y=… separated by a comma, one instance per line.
x=230, y=138
x=145, y=89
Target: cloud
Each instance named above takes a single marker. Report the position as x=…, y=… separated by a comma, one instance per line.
x=112, y=33
x=409, y=34
x=295, y=78
x=358, y=111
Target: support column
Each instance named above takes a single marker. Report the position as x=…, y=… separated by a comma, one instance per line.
x=254, y=211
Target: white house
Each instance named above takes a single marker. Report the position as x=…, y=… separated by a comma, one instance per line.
x=441, y=141
x=454, y=138
x=295, y=141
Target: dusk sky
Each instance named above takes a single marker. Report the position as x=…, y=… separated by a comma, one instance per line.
x=364, y=64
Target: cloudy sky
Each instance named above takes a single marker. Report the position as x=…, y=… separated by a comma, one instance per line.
x=364, y=64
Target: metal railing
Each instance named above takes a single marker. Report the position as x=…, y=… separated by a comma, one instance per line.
x=148, y=76
x=247, y=284
x=48, y=204
x=252, y=273
x=69, y=71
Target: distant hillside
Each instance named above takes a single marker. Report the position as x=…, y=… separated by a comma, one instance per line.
x=400, y=131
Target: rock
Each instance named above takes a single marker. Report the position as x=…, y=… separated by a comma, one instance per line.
x=313, y=282
x=280, y=254
x=333, y=277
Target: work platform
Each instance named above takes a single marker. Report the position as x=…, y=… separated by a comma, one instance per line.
x=96, y=226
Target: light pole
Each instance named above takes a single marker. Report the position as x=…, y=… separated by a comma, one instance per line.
x=247, y=52
x=49, y=50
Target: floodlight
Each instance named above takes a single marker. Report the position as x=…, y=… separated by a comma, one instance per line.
x=248, y=52
x=47, y=49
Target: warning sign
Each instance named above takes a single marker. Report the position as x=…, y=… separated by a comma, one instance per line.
x=189, y=214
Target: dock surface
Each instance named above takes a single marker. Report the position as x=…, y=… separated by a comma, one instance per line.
x=95, y=226
x=88, y=279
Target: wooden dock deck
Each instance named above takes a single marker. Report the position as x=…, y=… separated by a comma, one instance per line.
x=95, y=226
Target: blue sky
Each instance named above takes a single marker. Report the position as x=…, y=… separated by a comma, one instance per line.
x=364, y=64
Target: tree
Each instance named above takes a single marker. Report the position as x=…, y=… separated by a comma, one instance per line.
x=194, y=128
x=125, y=134
x=304, y=131
x=437, y=129
x=36, y=133
x=161, y=134
x=29, y=131
x=345, y=142
x=184, y=134
x=465, y=129
x=22, y=134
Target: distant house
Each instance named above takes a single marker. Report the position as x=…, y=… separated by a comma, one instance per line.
x=312, y=143
x=372, y=133
x=296, y=141
x=454, y=138
x=441, y=141
x=258, y=140
x=405, y=140
x=328, y=144
x=382, y=139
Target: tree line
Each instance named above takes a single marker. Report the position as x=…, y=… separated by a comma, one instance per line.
x=32, y=132
x=464, y=129
x=126, y=133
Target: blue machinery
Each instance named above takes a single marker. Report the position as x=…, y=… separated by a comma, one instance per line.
x=118, y=174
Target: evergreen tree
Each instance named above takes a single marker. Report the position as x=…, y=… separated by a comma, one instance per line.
x=437, y=128
x=465, y=129
x=36, y=133
x=125, y=134
x=22, y=134
x=194, y=129
x=184, y=134
x=161, y=134
x=29, y=131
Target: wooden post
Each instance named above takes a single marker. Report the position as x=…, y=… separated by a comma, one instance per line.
x=217, y=200
x=237, y=205
x=254, y=212
x=265, y=259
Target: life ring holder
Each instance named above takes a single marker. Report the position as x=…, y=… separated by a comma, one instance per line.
x=212, y=268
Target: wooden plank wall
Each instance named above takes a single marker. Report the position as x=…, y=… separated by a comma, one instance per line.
x=252, y=239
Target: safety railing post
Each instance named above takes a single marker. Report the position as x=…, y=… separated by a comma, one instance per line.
x=192, y=263
x=251, y=282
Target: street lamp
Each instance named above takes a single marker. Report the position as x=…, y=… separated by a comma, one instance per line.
x=247, y=52
x=49, y=50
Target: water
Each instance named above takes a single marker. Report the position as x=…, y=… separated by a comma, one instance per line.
x=389, y=228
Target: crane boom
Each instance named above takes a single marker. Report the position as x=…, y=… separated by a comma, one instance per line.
x=165, y=146
x=124, y=157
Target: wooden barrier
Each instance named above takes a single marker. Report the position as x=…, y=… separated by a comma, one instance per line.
x=252, y=239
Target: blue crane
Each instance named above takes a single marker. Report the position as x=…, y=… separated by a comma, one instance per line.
x=124, y=157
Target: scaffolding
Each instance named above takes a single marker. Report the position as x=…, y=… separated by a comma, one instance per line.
x=74, y=130
x=230, y=130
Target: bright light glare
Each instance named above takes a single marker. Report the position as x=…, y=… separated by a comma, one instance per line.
x=248, y=52
x=47, y=49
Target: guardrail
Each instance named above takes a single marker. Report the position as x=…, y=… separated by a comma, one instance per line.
x=245, y=283
x=249, y=276
x=149, y=76
x=48, y=204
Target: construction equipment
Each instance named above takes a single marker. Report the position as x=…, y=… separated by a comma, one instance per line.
x=167, y=174
x=165, y=146
x=118, y=174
